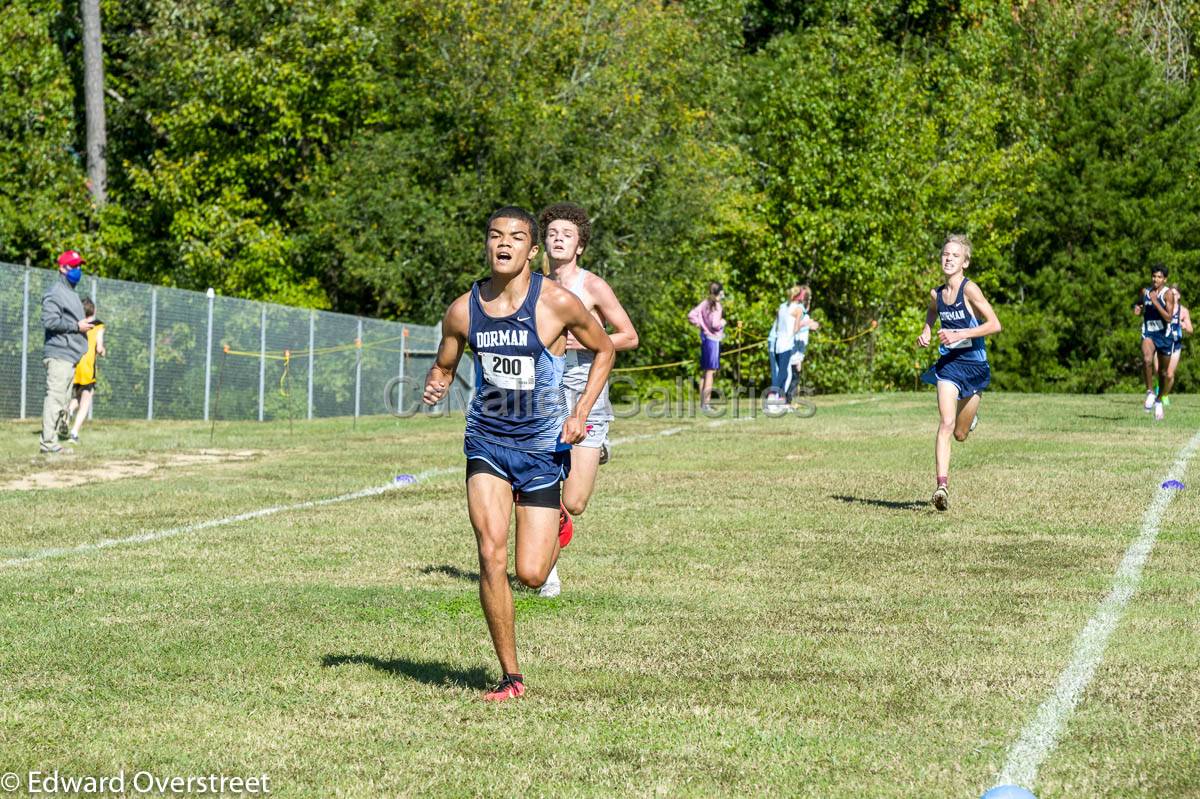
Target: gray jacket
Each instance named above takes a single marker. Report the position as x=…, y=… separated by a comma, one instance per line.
x=62, y=310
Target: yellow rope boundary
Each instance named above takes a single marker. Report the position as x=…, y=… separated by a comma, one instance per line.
x=287, y=355
x=283, y=355
x=868, y=329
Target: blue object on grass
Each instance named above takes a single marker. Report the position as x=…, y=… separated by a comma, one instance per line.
x=1008, y=792
x=1173, y=484
x=405, y=479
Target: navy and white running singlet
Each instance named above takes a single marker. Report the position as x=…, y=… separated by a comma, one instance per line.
x=519, y=401
x=963, y=363
x=1152, y=320
x=1155, y=327
x=1175, y=329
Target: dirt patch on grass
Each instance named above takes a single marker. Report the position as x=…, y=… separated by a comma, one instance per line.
x=123, y=469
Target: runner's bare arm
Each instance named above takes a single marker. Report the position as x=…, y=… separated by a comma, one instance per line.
x=624, y=336
x=1167, y=309
x=454, y=335
x=930, y=318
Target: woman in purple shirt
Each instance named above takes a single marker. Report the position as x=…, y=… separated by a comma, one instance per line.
x=708, y=316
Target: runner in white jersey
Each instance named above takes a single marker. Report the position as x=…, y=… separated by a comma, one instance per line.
x=567, y=231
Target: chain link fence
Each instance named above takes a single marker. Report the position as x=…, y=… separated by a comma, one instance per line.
x=175, y=354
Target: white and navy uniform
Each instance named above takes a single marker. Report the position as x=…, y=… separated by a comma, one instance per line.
x=783, y=342
x=1157, y=328
x=575, y=376
x=1175, y=330
x=963, y=363
x=515, y=419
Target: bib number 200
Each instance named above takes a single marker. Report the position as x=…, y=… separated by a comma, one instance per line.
x=513, y=372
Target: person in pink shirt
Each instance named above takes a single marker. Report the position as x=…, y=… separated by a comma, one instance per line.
x=708, y=316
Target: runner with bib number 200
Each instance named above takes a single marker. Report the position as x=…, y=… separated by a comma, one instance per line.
x=519, y=431
x=1157, y=306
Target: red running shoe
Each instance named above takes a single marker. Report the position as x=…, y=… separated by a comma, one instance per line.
x=511, y=687
x=566, y=527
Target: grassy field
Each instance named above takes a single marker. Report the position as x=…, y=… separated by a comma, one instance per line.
x=761, y=607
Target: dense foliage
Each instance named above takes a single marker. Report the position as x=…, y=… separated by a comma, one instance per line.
x=345, y=154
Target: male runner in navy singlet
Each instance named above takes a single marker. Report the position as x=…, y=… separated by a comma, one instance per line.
x=962, y=371
x=1158, y=308
x=519, y=431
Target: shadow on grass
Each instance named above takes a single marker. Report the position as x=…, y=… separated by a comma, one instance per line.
x=458, y=574
x=912, y=504
x=451, y=571
x=427, y=672
x=1097, y=416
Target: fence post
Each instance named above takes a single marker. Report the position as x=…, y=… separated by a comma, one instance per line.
x=208, y=352
x=25, y=342
x=153, y=339
x=358, y=368
x=262, y=360
x=312, y=324
x=96, y=366
x=400, y=387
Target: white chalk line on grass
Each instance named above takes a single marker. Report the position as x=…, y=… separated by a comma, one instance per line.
x=158, y=535
x=1041, y=734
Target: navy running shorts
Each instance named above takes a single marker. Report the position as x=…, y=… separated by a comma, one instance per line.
x=525, y=471
x=1164, y=342
x=971, y=377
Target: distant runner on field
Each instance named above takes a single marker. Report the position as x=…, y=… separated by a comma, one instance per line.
x=1157, y=307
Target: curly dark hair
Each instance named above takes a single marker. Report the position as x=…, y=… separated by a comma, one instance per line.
x=515, y=212
x=576, y=214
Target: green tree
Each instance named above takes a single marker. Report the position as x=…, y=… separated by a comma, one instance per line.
x=226, y=110
x=44, y=203
x=869, y=153
x=604, y=103
x=1119, y=181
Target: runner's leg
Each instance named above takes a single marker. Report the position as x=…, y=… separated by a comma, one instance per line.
x=489, y=504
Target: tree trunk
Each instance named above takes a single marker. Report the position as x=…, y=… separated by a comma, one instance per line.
x=93, y=90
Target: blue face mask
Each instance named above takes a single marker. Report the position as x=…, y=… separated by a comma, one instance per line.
x=74, y=275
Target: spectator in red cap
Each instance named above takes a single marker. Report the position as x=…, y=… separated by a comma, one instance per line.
x=66, y=327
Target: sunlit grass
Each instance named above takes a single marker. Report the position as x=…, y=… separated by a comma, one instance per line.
x=756, y=607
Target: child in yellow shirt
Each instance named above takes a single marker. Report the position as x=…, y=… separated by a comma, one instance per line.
x=85, y=373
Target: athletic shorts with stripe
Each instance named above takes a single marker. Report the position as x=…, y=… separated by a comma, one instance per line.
x=532, y=474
